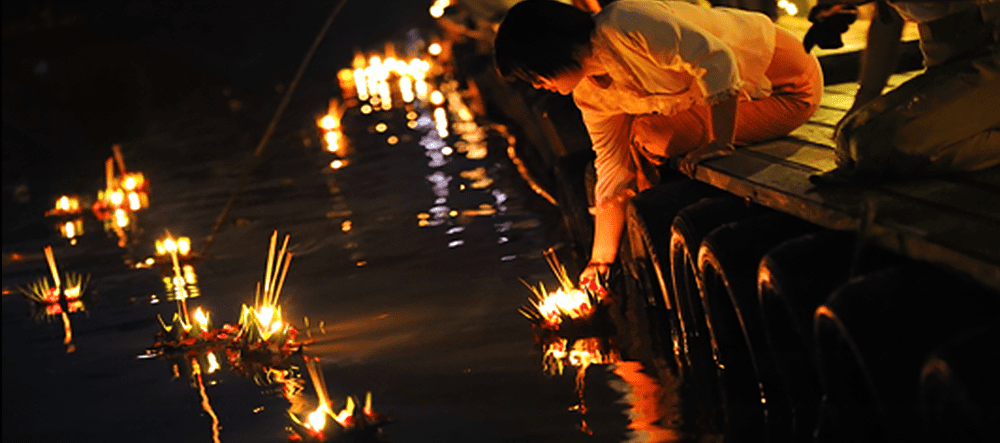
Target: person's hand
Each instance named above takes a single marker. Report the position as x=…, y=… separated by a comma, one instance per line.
x=714, y=149
x=594, y=276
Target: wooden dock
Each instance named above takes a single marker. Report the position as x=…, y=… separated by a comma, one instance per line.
x=950, y=221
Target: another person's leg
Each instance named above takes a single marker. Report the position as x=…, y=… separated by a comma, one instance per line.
x=797, y=85
x=943, y=120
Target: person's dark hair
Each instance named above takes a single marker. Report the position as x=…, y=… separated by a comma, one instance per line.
x=541, y=38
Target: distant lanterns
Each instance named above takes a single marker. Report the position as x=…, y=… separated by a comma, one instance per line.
x=68, y=216
x=124, y=195
x=437, y=9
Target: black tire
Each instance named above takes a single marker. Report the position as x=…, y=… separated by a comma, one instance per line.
x=644, y=256
x=793, y=280
x=958, y=391
x=755, y=402
x=872, y=336
x=705, y=412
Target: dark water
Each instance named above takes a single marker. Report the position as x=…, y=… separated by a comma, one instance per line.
x=423, y=317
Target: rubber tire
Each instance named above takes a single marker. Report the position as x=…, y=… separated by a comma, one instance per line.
x=872, y=336
x=704, y=412
x=755, y=402
x=958, y=391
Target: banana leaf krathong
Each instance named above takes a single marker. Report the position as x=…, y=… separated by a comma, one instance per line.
x=355, y=422
x=571, y=325
x=265, y=338
x=61, y=297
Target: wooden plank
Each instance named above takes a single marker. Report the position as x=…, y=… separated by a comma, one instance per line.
x=988, y=179
x=905, y=225
x=810, y=156
x=784, y=188
x=952, y=197
x=826, y=117
x=813, y=133
x=841, y=102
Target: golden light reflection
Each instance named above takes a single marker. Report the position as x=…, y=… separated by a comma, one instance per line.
x=205, y=404
x=434, y=49
x=788, y=7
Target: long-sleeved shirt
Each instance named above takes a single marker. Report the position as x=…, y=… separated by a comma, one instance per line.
x=663, y=58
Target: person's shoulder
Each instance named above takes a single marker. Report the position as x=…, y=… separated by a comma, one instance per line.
x=626, y=14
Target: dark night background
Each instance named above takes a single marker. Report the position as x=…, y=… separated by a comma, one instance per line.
x=81, y=75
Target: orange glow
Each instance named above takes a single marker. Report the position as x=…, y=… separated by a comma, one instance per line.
x=213, y=363
x=573, y=304
x=788, y=7
x=134, y=204
x=205, y=405
x=361, y=83
x=264, y=320
x=117, y=198
x=437, y=9
x=441, y=122
x=344, y=416
x=121, y=218
x=332, y=140
x=434, y=49
x=437, y=98
x=329, y=123
x=68, y=204
x=337, y=164
x=392, y=140
x=189, y=275
x=130, y=183
x=381, y=127
x=316, y=420
x=406, y=89
x=346, y=226
x=201, y=317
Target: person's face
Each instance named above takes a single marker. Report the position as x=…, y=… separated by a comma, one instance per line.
x=563, y=83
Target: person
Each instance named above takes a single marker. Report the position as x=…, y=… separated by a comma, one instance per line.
x=943, y=120
x=658, y=79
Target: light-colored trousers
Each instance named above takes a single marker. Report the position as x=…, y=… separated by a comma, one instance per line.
x=797, y=85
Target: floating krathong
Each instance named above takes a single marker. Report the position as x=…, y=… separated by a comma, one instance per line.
x=264, y=337
x=572, y=327
x=123, y=195
x=568, y=310
x=175, y=261
x=68, y=216
x=353, y=423
x=63, y=296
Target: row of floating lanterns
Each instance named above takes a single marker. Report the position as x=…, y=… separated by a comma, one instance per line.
x=262, y=346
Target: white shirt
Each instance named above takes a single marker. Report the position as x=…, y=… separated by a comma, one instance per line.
x=664, y=57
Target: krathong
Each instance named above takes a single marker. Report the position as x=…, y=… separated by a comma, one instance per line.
x=61, y=297
x=264, y=337
x=571, y=326
x=175, y=260
x=354, y=422
x=68, y=216
x=123, y=195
